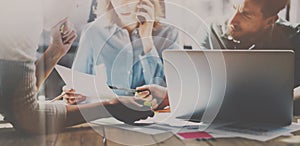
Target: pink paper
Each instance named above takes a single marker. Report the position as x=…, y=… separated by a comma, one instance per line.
x=194, y=135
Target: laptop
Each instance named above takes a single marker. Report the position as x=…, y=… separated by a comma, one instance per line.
x=231, y=86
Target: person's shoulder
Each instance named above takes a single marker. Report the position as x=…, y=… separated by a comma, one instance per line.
x=287, y=27
x=98, y=28
x=290, y=31
x=90, y=28
x=218, y=28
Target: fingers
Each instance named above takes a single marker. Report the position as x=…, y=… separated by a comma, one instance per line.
x=155, y=90
x=68, y=90
x=63, y=35
x=68, y=33
x=60, y=23
x=73, y=98
x=144, y=87
x=146, y=10
x=154, y=104
x=143, y=94
x=69, y=38
x=149, y=3
x=146, y=16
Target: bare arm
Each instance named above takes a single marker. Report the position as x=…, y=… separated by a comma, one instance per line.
x=77, y=114
x=125, y=109
x=146, y=28
x=61, y=43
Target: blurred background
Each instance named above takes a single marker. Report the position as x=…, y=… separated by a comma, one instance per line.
x=187, y=15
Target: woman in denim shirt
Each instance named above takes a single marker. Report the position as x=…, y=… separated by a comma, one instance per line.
x=129, y=39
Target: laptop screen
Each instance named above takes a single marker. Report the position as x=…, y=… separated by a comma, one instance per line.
x=231, y=86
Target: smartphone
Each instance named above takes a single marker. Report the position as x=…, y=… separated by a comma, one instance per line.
x=141, y=18
x=61, y=30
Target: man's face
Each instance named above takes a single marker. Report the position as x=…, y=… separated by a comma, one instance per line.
x=247, y=22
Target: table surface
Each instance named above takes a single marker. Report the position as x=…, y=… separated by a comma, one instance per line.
x=92, y=135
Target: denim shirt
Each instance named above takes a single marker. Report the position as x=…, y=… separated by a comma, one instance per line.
x=122, y=54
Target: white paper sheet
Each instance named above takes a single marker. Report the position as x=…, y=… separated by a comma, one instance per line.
x=150, y=129
x=161, y=124
x=255, y=135
x=86, y=84
x=167, y=118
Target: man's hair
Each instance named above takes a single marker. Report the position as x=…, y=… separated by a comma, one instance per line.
x=271, y=7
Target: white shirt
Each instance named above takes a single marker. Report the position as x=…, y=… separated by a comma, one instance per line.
x=21, y=23
x=122, y=53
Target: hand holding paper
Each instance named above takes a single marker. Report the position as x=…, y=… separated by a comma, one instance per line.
x=86, y=84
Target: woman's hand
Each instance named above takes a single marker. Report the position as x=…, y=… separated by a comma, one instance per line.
x=146, y=11
x=159, y=95
x=63, y=35
x=72, y=98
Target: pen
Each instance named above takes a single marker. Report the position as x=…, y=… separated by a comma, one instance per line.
x=128, y=90
x=145, y=103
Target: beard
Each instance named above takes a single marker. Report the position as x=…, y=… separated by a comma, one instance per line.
x=242, y=35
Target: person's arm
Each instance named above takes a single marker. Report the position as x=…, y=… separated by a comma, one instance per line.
x=84, y=60
x=152, y=63
x=125, y=109
x=61, y=43
x=145, y=28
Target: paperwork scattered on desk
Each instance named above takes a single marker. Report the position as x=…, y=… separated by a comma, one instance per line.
x=86, y=84
x=255, y=134
x=160, y=123
x=115, y=123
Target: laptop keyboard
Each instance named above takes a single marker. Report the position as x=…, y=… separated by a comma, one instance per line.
x=247, y=129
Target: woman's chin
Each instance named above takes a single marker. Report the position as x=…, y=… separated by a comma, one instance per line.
x=128, y=22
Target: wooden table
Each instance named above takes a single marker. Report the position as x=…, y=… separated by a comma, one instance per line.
x=92, y=135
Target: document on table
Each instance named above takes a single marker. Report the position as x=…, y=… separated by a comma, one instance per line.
x=260, y=134
x=160, y=123
x=86, y=84
x=146, y=128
